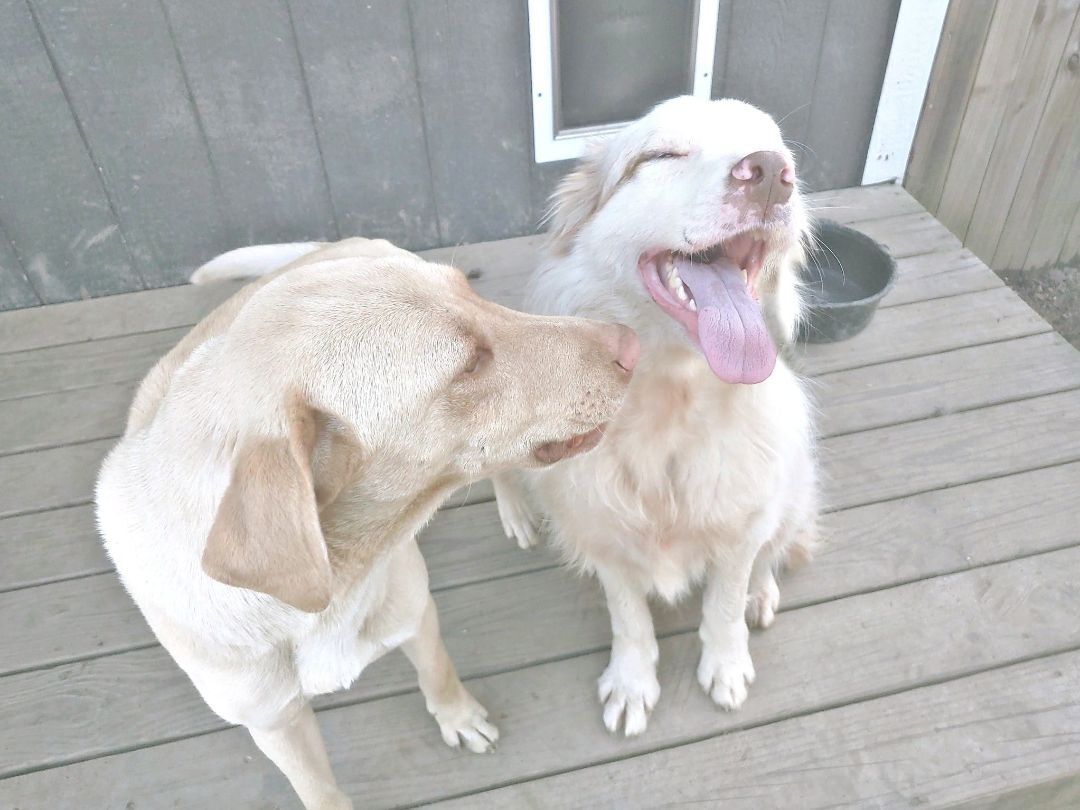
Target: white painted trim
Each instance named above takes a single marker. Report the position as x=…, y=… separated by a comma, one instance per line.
x=915, y=42
x=548, y=145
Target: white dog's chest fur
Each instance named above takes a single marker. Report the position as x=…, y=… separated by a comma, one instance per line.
x=683, y=468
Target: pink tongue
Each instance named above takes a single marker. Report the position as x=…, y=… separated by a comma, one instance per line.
x=731, y=327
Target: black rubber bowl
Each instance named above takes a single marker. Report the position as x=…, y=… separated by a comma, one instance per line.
x=845, y=276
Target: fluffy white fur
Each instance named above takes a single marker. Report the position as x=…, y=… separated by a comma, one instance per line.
x=697, y=480
x=262, y=505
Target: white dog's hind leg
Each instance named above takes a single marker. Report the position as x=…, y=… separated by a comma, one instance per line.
x=459, y=715
x=516, y=513
x=628, y=687
x=763, y=598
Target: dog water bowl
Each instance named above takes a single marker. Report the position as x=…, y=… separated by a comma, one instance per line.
x=845, y=276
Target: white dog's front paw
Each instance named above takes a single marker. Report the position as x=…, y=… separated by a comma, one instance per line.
x=518, y=520
x=762, y=603
x=628, y=690
x=466, y=720
x=725, y=672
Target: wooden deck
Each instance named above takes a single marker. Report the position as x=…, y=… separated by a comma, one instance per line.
x=929, y=656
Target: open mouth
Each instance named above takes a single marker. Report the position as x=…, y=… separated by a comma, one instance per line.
x=551, y=452
x=712, y=293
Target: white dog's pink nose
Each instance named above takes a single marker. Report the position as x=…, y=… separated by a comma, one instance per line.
x=766, y=178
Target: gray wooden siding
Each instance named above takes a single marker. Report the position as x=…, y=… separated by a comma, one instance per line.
x=141, y=137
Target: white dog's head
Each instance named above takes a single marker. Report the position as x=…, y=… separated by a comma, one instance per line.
x=696, y=213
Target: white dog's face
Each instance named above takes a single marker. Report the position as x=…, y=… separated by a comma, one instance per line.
x=696, y=208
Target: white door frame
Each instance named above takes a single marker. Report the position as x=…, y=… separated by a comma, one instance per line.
x=550, y=146
x=907, y=76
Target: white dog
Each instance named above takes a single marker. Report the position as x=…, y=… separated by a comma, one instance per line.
x=686, y=225
x=262, y=505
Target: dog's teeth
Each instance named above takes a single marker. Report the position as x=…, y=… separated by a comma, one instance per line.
x=691, y=305
x=673, y=280
x=681, y=293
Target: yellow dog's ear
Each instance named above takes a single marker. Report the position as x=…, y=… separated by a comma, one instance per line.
x=266, y=535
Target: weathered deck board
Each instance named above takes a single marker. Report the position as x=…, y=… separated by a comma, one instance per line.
x=65, y=417
x=938, y=275
x=904, y=459
x=923, y=632
x=109, y=317
x=911, y=234
x=48, y=546
x=954, y=742
x=83, y=365
x=865, y=549
x=928, y=327
x=939, y=384
x=49, y=479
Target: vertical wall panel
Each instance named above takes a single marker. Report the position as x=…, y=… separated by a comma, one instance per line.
x=997, y=70
x=851, y=69
x=52, y=202
x=1039, y=62
x=951, y=82
x=1040, y=209
x=361, y=72
x=772, y=61
x=1070, y=250
x=119, y=65
x=15, y=288
x=473, y=57
x=241, y=64
x=1004, y=179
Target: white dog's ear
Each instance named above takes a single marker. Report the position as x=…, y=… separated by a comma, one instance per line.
x=577, y=197
x=266, y=535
